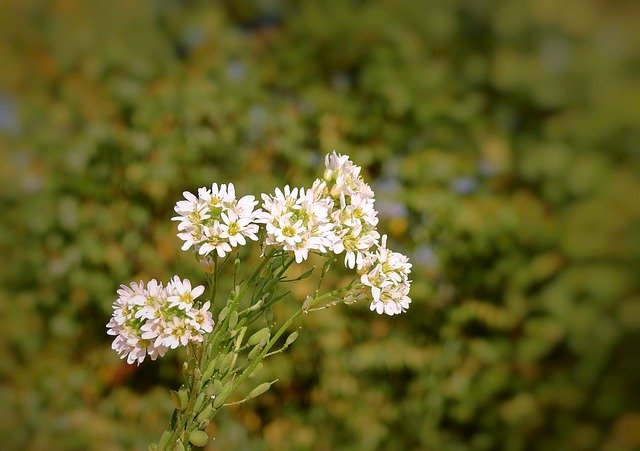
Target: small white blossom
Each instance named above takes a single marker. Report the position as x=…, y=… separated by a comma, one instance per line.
x=183, y=295
x=202, y=317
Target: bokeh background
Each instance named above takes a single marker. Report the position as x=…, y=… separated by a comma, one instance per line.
x=501, y=139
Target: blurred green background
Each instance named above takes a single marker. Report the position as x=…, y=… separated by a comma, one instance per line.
x=501, y=139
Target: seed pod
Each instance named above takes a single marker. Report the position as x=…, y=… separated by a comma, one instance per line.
x=217, y=386
x=164, y=439
x=270, y=285
x=205, y=414
x=242, y=322
x=223, y=314
x=260, y=389
x=233, y=319
x=225, y=364
x=255, y=351
x=222, y=397
x=256, y=306
x=183, y=394
x=179, y=446
x=198, y=438
x=175, y=398
x=260, y=336
x=209, y=371
x=153, y=447
x=291, y=338
x=199, y=401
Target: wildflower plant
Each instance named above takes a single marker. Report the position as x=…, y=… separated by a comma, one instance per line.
x=335, y=216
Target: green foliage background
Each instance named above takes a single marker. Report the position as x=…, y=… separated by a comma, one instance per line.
x=501, y=139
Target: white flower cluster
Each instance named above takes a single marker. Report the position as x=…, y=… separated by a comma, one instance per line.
x=386, y=273
x=337, y=214
x=149, y=320
x=298, y=220
x=354, y=217
x=215, y=221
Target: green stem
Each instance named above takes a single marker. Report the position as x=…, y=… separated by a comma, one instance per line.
x=245, y=374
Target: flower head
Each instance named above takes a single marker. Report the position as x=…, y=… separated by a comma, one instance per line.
x=149, y=320
x=297, y=220
x=215, y=221
x=386, y=274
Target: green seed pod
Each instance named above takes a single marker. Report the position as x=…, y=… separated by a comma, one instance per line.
x=222, y=397
x=179, y=446
x=260, y=336
x=164, y=439
x=226, y=363
x=198, y=438
x=233, y=319
x=260, y=389
x=256, y=306
x=205, y=414
x=241, y=331
x=291, y=338
x=199, y=401
x=255, y=352
x=209, y=371
x=153, y=447
x=217, y=386
x=271, y=284
x=175, y=398
x=223, y=314
x=183, y=395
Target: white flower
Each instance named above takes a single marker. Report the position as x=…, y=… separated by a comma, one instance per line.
x=202, y=318
x=215, y=221
x=297, y=220
x=343, y=177
x=214, y=241
x=235, y=228
x=386, y=273
x=182, y=295
x=149, y=320
x=353, y=215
